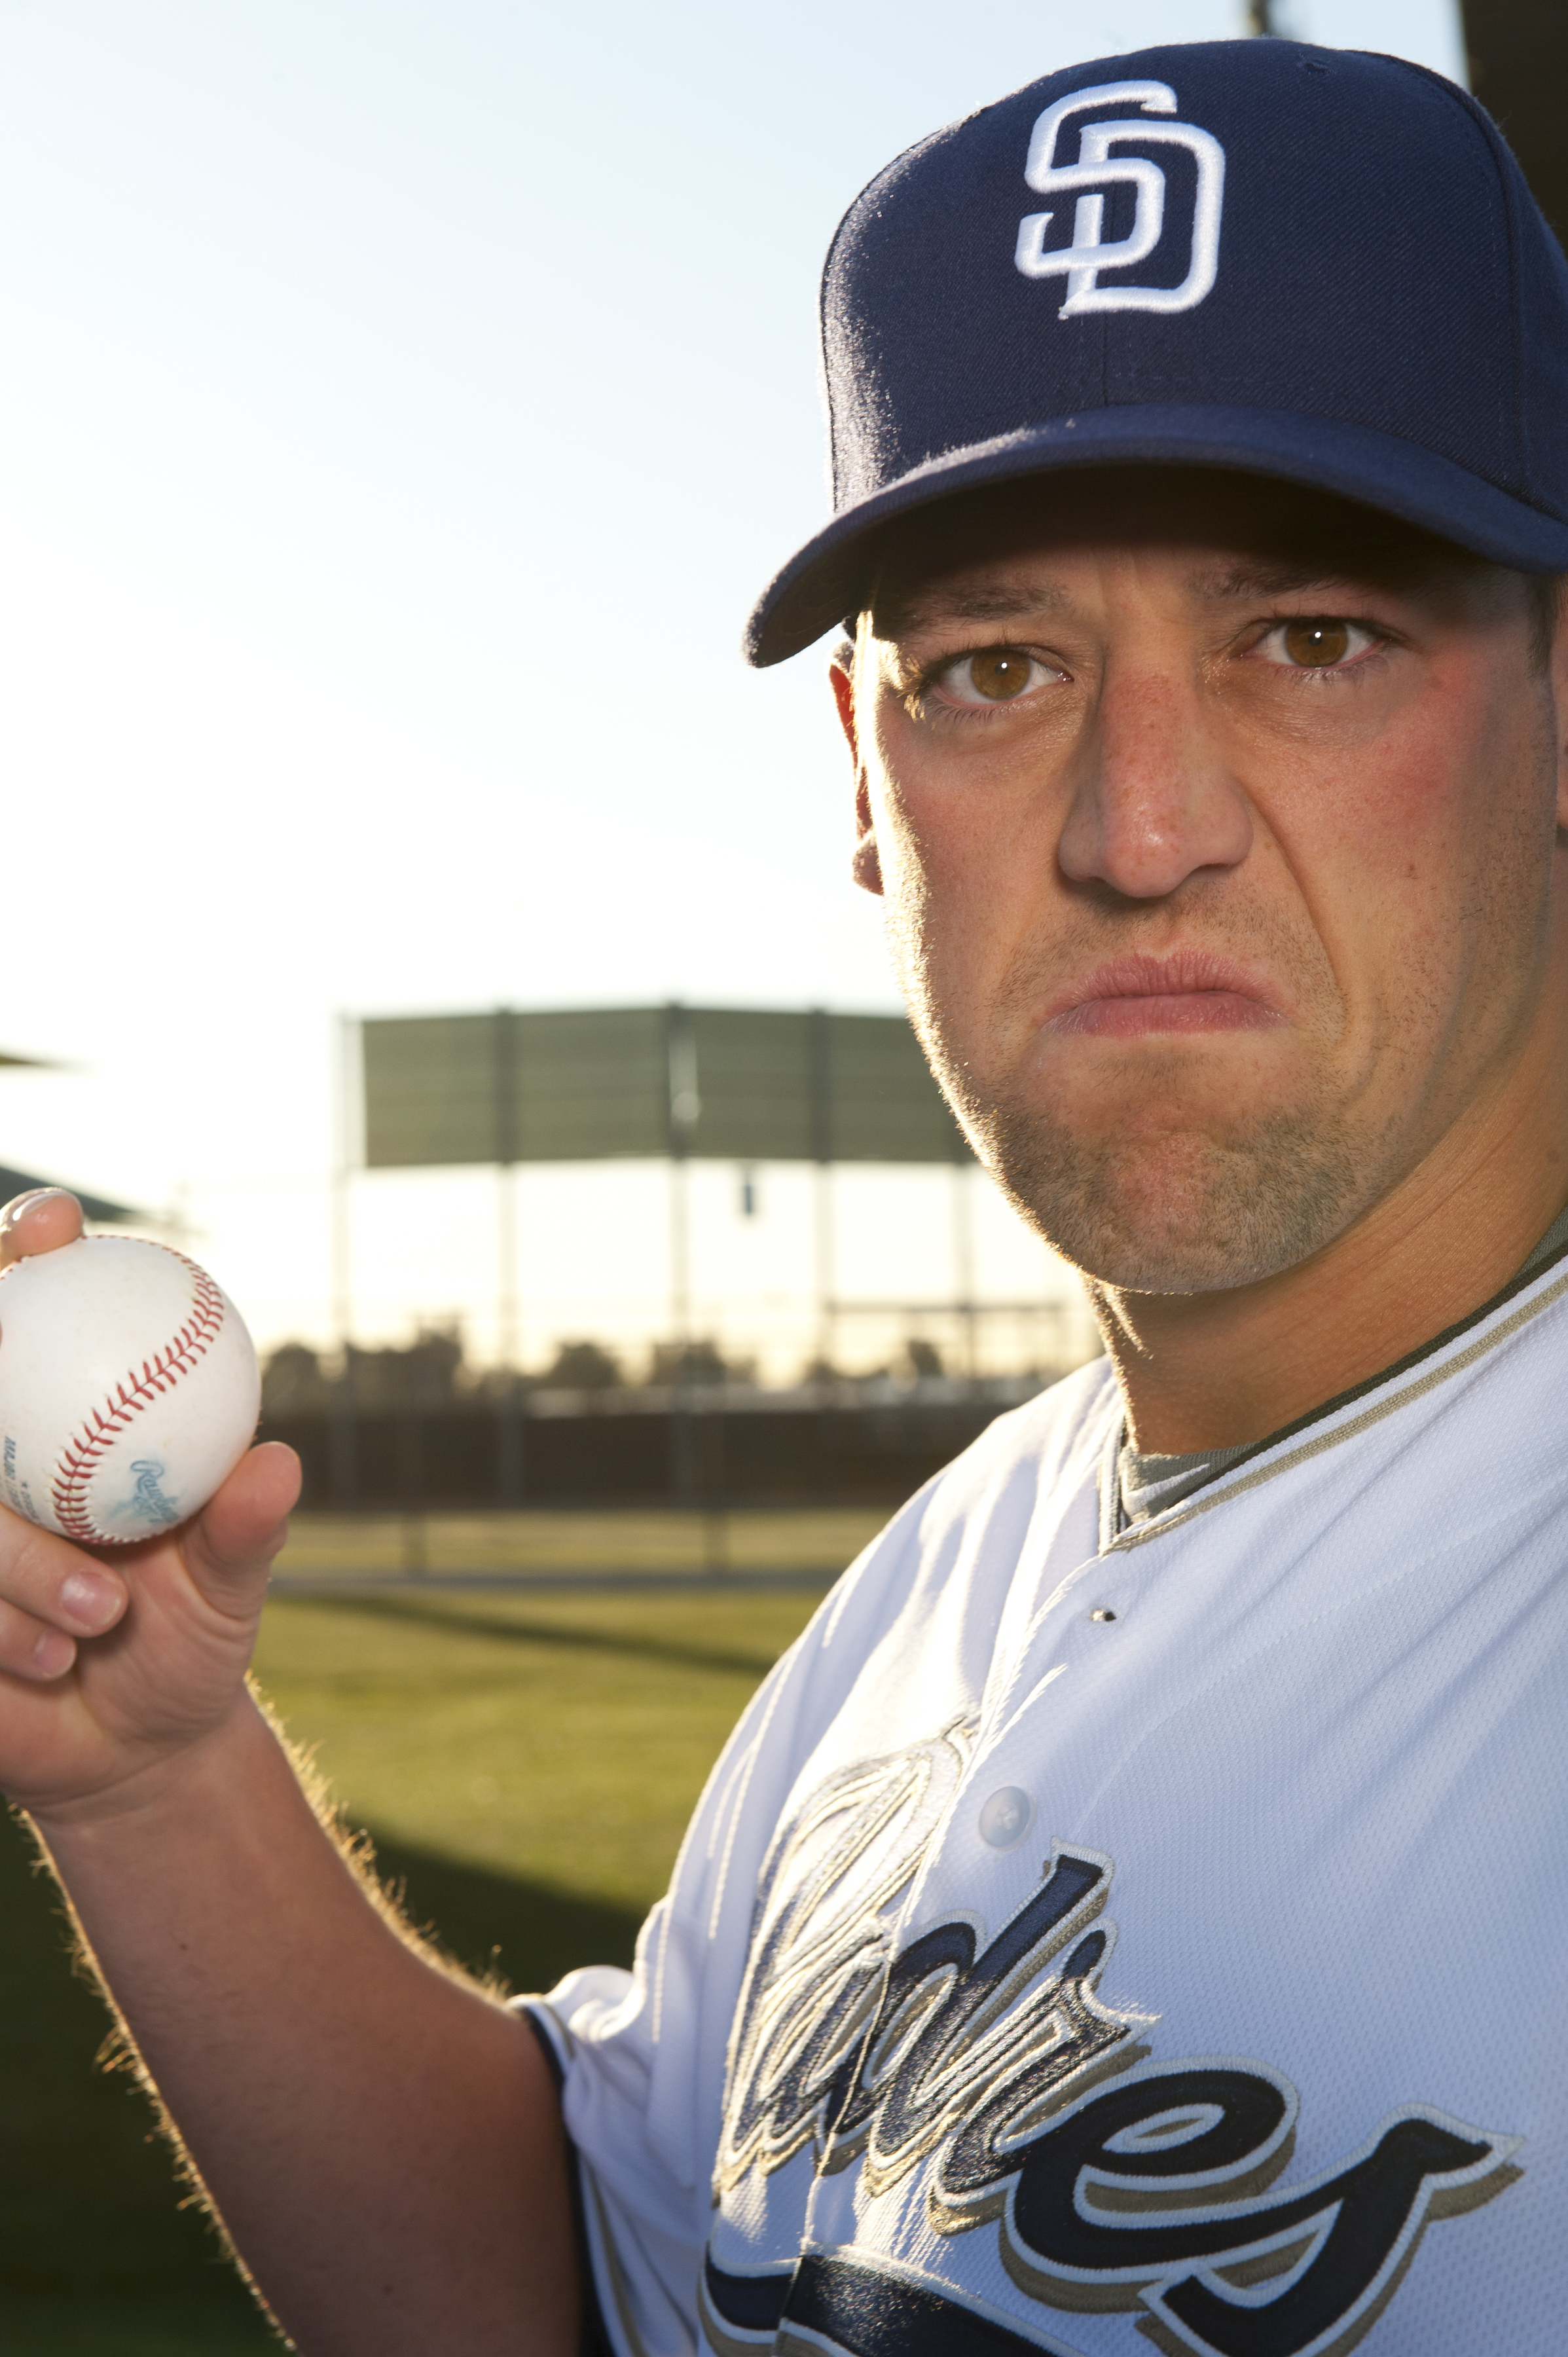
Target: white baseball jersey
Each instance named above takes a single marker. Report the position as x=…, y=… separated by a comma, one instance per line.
x=1094, y=1934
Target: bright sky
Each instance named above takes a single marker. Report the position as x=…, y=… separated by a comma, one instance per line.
x=402, y=403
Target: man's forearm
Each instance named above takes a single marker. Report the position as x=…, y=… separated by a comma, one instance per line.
x=383, y=2141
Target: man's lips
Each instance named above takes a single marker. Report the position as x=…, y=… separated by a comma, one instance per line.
x=1131, y=996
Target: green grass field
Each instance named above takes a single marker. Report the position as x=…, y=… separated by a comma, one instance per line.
x=525, y=1766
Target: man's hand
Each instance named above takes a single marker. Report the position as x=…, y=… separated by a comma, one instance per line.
x=114, y=1661
x=383, y=2140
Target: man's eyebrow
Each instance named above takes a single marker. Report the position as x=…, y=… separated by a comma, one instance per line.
x=1254, y=577
x=898, y=611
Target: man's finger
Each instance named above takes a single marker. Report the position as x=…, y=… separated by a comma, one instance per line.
x=239, y=1530
x=52, y=1581
x=39, y=1221
x=31, y=1649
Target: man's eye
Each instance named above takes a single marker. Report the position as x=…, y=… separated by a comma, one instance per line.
x=994, y=675
x=1315, y=642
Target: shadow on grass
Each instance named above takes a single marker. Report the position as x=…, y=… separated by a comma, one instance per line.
x=95, y=2254
x=458, y=1623
x=530, y=1932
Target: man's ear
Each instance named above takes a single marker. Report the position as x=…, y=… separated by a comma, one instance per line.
x=865, y=865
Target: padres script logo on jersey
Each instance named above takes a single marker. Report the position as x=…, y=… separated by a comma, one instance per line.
x=1113, y=2180
x=1094, y=171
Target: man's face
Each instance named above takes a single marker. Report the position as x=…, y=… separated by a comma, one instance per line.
x=1217, y=826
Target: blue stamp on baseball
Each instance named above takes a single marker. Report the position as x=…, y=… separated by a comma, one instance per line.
x=148, y=1501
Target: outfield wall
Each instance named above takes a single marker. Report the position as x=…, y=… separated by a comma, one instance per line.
x=477, y=1455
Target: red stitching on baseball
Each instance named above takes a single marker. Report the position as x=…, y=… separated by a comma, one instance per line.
x=85, y=1451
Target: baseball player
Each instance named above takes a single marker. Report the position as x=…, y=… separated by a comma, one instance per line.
x=1136, y=1908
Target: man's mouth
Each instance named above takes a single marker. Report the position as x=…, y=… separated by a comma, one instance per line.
x=1129, y=997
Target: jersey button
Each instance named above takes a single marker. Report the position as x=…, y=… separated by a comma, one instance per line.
x=1005, y=1817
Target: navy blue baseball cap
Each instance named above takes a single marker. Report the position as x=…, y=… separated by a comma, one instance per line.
x=1314, y=265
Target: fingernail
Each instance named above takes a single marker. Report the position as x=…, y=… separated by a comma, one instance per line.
x=21, y=1204
x=53, y=1653
x=92, y=1601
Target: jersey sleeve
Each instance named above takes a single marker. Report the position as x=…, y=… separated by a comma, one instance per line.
x=640, y=2055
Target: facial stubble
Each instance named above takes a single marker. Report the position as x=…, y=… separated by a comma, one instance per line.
x=1178, y=1207
x=1185, y=1180
x=1182, y=1181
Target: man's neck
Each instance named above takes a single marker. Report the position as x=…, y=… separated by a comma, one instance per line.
x=1223, y=1369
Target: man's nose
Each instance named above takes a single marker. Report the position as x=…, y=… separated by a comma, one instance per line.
x=1154, y=801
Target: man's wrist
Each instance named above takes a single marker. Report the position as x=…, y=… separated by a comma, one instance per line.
x=171, y=1782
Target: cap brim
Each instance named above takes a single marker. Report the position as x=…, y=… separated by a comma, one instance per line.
x=828, y=578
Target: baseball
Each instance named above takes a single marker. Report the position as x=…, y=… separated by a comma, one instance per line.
x=129, y=1389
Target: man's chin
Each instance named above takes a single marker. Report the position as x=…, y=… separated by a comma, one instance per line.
x=1181, y=1213
x=1172, y=1263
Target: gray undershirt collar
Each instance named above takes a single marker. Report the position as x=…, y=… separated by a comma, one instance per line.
x=1149, y=1483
